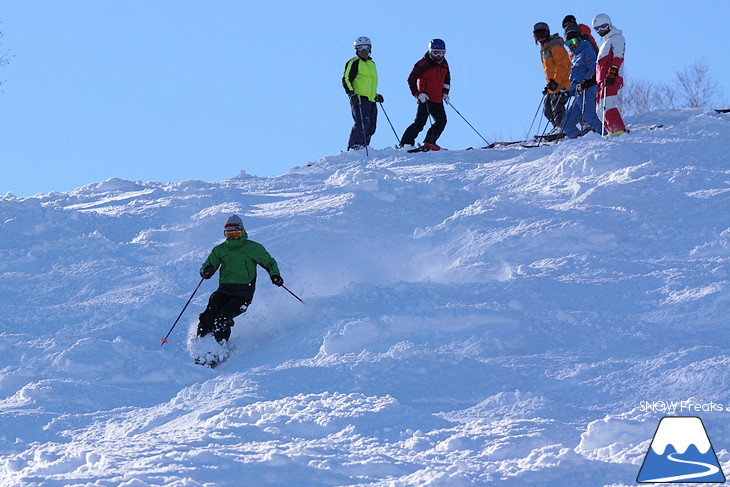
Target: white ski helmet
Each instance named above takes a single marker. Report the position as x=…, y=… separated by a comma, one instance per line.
x=363, y=41
x=600, y=20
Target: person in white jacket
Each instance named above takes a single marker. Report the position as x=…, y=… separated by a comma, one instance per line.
x=609, y=74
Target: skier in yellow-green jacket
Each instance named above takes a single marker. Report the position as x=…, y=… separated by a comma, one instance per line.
x=237, y=258
x=360, y=81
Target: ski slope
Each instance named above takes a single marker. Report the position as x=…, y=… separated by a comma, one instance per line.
x=475, y=317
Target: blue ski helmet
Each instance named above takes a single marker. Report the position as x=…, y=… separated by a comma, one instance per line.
x=436, y=45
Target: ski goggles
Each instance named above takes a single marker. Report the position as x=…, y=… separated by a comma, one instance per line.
x=438, y=52
x=233, y=234
x=602, y=27
x=363, y=48
x=572, y=42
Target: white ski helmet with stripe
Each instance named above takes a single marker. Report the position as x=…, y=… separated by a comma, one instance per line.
x=602, y=20
x=363, y=41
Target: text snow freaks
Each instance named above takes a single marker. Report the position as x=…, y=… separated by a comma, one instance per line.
x=679, y=407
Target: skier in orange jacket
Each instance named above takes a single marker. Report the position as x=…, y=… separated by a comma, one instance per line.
x=556, y=64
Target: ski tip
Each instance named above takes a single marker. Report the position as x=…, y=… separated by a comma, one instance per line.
x=210, y=364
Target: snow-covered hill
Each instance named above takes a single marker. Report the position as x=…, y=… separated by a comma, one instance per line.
x=471, y=318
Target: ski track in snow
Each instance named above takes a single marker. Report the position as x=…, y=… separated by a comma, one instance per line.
x=472, y=318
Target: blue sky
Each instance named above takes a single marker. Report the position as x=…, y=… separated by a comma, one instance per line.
x=175, y=90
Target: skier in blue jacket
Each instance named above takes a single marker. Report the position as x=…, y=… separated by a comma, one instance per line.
x=582, y=83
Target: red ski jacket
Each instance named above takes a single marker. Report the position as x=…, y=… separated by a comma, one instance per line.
x=611, y=54
x=431, y=78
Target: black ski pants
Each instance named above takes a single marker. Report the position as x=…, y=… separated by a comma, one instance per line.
x=438, y=112
x=555, y=108
x=222, y=308
x=365, y=120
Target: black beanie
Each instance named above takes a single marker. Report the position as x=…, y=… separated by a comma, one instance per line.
x=572, y=31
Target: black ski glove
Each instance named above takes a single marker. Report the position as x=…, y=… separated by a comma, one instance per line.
x=207, y=271
x=354, y=98
x=379, y=98
x=611, y=76
x=587, y=83
x=277, y=280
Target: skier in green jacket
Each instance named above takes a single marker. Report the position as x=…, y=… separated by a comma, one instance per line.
x=360, y=82
x=237, y=259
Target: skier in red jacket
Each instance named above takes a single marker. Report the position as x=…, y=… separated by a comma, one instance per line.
x=609, y=74
x=429, y=82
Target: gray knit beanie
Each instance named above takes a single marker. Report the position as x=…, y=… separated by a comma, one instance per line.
x=234, y=222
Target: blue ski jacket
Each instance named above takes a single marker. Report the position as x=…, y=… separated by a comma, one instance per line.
x=583, y=65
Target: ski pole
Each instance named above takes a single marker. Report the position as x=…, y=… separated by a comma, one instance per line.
x=164, y=340
x=542, y=135
x=289, y=291
x=542, y=102
x=467, y=122
x=603, y=110
x=567, y=114
x=391, y=125
x=562, y=122
x=364, y=137
x=428, y=110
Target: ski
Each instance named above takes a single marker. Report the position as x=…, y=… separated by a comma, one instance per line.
x=529, y=142
x=653, y=126
x=211, y=359
x=538, y=143
x=498, y=144
x=211, y=364
x=208, y=352
x=526, y=144
x=550, y=137
x=722, y=110
x=424, y=148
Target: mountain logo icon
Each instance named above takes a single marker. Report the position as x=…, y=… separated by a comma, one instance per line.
x=680, y=452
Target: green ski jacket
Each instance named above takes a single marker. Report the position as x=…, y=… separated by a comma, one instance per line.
x=361, y=77
x=237, y=260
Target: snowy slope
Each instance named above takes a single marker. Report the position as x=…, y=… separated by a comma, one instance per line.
x=471, y=318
